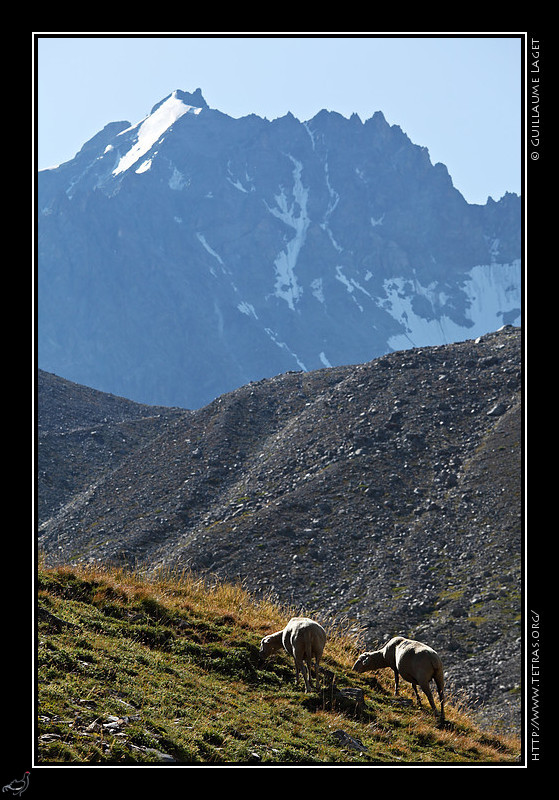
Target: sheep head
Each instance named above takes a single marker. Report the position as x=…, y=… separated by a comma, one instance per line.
x=270, y=645
x=370, y=661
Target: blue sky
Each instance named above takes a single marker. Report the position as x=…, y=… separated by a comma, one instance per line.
x=457, y=95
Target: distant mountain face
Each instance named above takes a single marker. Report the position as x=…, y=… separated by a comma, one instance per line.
x=192, y=253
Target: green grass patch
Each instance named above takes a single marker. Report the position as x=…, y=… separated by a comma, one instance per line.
x=131, y=670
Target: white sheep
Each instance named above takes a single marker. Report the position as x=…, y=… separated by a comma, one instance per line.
x=417, y=663
x=302, y=638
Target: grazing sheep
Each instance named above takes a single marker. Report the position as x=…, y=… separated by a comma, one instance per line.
x=303, y=639
x=417, y=663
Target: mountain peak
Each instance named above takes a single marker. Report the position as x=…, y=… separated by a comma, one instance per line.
x=241, y=249
x=194, y=99
x=152, y=128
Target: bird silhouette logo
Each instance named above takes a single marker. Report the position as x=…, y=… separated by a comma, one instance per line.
x=17, y=787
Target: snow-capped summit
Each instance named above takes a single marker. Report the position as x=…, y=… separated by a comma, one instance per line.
x=191, y=252
x=152, y=128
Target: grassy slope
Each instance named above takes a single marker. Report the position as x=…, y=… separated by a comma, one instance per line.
x=147, y=672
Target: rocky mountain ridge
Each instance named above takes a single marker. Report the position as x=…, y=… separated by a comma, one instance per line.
x=386, y=493
x=192, y=253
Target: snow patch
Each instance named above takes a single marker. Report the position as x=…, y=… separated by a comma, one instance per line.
x=283, y=346
x=202, y=239
x=144, y=167
x=177, y=181
x=317, y=290
x=311, y=134
x=236, y=182
x=494, y=249
x=248, y=309
x=332, y=203
x=205, y=245
x=286, y=285
x=152, y=129
x=342, y=278
x=351, y=284
x=493, y=293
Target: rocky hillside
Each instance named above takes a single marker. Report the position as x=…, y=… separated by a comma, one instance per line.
x=72, y=450
x=387, y=493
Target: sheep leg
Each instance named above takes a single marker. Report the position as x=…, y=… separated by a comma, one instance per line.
x=301, y=667
x=396, y=681
x=417, y=693
x=440, y=690
x=316, y=671
x=309, y=671
x=306, y=675
x=429, y=695
x=296, y=673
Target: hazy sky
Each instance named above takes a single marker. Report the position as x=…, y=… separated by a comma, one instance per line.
x=457, y=95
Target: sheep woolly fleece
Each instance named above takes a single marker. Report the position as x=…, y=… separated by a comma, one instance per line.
x=416, y=662
x=304, y=640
